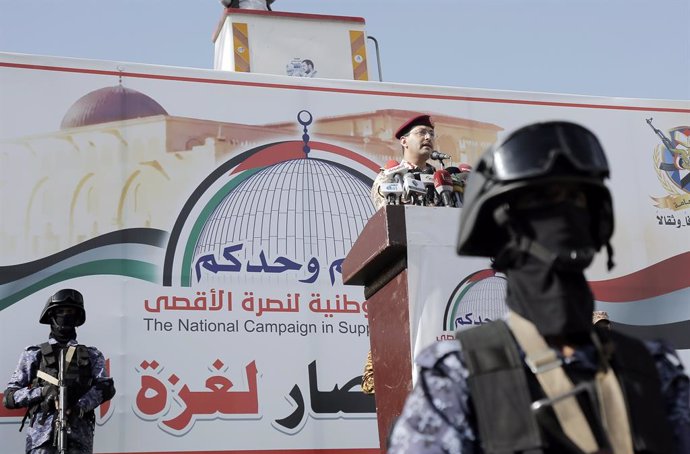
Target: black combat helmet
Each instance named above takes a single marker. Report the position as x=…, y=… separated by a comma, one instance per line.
x=66, y=297
x=534, y=155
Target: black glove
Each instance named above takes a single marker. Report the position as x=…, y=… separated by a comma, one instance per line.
x=78, y=412
x=50, y=395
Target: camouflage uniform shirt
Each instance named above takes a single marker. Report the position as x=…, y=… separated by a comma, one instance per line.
x=442, y=382
x=376, y=198
x=39, y=437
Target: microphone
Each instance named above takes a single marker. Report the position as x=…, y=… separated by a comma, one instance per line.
x=465, y=168
x=390, y=164
x=394, y=167
x=394, y=170
x=426, y=176
x=462, y=168
x=391, y=192
x=412, y=188
x=443, y=183
x=458, y=185
x=438, y=156
x=458, y=193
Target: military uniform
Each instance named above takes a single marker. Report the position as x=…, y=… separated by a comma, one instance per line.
x=376, y=198
x=439, y=415
x=39, y=438
x=34, y=383
x=544, y=380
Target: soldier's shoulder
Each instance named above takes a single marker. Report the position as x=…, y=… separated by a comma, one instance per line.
x=665, y=356
x=93, y=351
x=92, y=347
x=438, y=352
x=31, y=353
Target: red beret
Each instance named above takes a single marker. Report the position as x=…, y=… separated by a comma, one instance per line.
x=411, y=123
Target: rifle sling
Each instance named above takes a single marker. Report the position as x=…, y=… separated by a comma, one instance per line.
x=49, y=378
x=554, y=382
x=546, y=367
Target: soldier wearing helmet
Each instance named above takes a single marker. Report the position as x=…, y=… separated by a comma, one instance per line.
x=543, y=380
x=33, y=384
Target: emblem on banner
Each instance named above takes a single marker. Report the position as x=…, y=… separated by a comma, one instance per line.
x=478, y=299
x=284, y=212
x=672, y=163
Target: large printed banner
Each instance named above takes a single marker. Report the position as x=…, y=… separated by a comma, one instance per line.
x=205, y=217
x=448, y=293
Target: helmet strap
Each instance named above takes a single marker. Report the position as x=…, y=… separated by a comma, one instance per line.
x=609, y=253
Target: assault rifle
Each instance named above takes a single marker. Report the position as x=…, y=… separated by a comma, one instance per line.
x=664, y=139
x=666, y=166
x=61, y=420
x=682, y=156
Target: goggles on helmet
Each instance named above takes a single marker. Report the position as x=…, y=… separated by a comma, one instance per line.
x=65, y=295
x=527, y=155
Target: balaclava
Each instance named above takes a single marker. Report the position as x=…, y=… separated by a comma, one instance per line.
x=63, y=326
x=550, y=288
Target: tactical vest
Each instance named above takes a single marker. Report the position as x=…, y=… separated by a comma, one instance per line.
x=502, y=389
x=78, y=376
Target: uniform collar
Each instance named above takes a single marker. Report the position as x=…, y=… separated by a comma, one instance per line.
x=70, y=343
x=411, y=166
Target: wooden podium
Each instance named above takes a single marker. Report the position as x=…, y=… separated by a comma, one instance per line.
x=418, y=291
x=378, y=261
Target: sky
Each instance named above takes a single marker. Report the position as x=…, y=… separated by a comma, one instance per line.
x=613, y=48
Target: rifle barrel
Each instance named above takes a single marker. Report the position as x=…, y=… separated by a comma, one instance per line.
x=61, y=425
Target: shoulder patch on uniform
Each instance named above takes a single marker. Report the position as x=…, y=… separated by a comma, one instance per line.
x=435, y=352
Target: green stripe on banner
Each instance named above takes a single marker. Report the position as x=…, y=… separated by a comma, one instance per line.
x=117, y=267
x=206, y=212
x=456, y=304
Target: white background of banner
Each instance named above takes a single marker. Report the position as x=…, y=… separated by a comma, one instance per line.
x=33, y=102
x=434, y=270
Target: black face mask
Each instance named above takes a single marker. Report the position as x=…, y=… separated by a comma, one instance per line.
x=554, y=295
x=63, y=327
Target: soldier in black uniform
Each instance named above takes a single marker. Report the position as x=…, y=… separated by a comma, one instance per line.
x=544, y=380
x=34, y=383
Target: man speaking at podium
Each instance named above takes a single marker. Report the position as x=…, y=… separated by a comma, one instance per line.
x=544, y=379
x=416, y=138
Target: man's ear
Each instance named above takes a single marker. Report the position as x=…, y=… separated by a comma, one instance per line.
x=403, y=141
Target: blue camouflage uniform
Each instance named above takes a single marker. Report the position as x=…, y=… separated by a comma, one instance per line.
x=39, y=437
x=442, y=382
